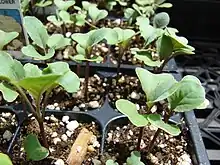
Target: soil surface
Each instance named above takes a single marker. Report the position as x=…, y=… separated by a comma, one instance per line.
x=61, y=100
x=8, y=123
x=60, y=140
x=168, y=150
x=127, y=88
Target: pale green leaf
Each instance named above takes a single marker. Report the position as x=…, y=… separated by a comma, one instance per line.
x=69, y=80
x=189, y=95
x=96, y=14
x=54, y=20
x=44, y=3
x=145, y=56
x=156, y=120
x=31, y=52
x=130, y=110
x=134, y=159
x=5, y=160
x=111, y=162
x=58, y=41
x=34, y=149
x=10, y=69
x=80, y=50
x=6, y=38
x=156, y=86
x=64, y=5
x=36, y=86
x=164, y=47
x=81, y=57
x=86, y=5
x=80, y=19
x=166, y=5
x=142, y=22
x=161, y=20
x=36, y=30
x=65, y=16
x=8, y=94
x=81, y=39
x=32, y=70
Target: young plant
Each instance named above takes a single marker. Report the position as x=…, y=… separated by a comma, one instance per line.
x=134, y=159
x=110, y=4
x=5, y=160
x=121, y=38
x=43, y=46
x=86, y=42
x=18, y=80
x=161, y=43
x=62, y=17
x=172, y=96
x=6, y=38
x=144, y=8
x=93, y=12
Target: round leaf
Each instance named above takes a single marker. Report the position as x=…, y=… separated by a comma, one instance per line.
x=33, y=148
x=96, y=14
x=130, y=110
x=189, y=95
x=58, y=41
x=54, y=20
x=134, y=159
x=156, y=86
x=64, y=5
x=161, y=20
x=5, y=160
x=6, y=38
x=156, y=121
x=8, y=94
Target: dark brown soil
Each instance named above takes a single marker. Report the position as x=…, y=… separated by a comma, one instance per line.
x=127, y=88
x=128, y=58
x=168, y=150
x=8, y=123
x=76, y=101
x=60, y=150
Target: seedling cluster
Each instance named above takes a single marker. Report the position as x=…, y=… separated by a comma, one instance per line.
x=161, y=44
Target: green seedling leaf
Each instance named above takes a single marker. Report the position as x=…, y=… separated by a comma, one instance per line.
x=130, y=110
x=161, y=20
x=36, y=30
x=6, y=38
x=96, y=14
x=91, y=38
x=111, y=162
x=33, y=148
x=189, y=95
x=110, y=5
x=31, y=52
x=58, y=41
x=65, y=16
x=130, y=14
x=10, y=69
x=145, y=56
x=155, y=120
x=166, y=5
x=32, y=70
x=164, y=47
x=142, y=22
x=134, y=159
x=81, y=57
x=86, y=5
x=64, y=5
x=5, y=160
x=54, y=20
x=144, y=2
x=80, y=19
x=8, y=94
x=119, y=36
x=69, y=80
x=44, y=3
x=158, y=2
x=36, y=86
x=80, y=50
x=156, y=86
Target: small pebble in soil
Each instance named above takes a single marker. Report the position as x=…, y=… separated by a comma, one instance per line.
x=57, y=108
x=65, y=119
x=72, y=125
x=59, y=162
x=64, y=137
x=135, y=96
x=56, y=104
x=93, y=104
x=53, y=119
x=7, y=135
x=69, y=133
x=68, y=34
x=56, y=140
x=76, y=109
x=91, y=148
x=54, y=134
x=51, y=107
